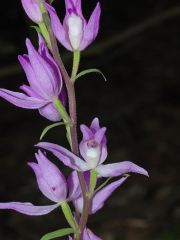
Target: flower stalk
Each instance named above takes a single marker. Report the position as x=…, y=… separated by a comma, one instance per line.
x=69, y=216
x=42, y=25
x=93, y=181
x=45, y=33
x=76, y=61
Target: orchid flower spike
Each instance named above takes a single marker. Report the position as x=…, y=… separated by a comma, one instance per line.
x=93, y=150
x=88, y=235
x=45, y=83
x=32, y=9
x=75, y=33
x=51, y=183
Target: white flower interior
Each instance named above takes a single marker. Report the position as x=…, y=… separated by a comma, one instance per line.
x=75, y=25
x=92, y=156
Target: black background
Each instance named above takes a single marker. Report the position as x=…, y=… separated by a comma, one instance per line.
x=138, y=49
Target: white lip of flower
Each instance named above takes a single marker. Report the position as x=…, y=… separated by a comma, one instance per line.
x=93, y=152
x=75, y=26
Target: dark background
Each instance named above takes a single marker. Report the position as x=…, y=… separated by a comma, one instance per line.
x=138, y=49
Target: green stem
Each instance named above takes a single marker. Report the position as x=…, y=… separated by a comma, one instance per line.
x=59, y=106
x=58, y=233
x=103, y=184
x=76, y=61
x=93, y=180
x=69, y=216
x=42, y=25
x=45, y=33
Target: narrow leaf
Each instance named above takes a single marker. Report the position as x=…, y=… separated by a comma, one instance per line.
x=107, y=180
x=92, y=70
x=103, y=185
x=50, y=127
x=68, y=215
x=68, y=135
x=36, y=28
x=58, y=233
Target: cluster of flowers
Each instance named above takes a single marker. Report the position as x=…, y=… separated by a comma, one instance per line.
x=46, y=85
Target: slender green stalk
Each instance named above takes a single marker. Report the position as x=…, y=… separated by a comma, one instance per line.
x=58, y=233
x=45, y=33
x=69, y=216
x=93, y=180
x=42, y=25
x=76, y=61
x=59, y=106
x=103, y=184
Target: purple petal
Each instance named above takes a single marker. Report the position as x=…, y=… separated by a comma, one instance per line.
x=101, y=196
x=63, y=96
x=68, y=158
x=74, y=6
x=89, y=235
x=104, y=153
x=95, y=124
x=50, y=112
x=87, y=133
x=22, y=100
x=28, y=208
x=43, y=50
x=31, y=77
x=117, y=169
x=29, y=91
x=50, y=180
x=95, y=127
x=58, y=28
x=92, y=28
x=32, y=10
x=99, y=135
x=46, y=78
x=87, y=175
x=73, y=186
x=78, y=204
x=41, y=42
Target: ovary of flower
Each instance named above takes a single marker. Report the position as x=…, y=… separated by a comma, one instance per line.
x=75, y=26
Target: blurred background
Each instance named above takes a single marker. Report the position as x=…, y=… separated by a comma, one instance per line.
x=138, y=49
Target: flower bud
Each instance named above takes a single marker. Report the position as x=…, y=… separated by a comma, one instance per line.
x=50, y=180
x=32, y=9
